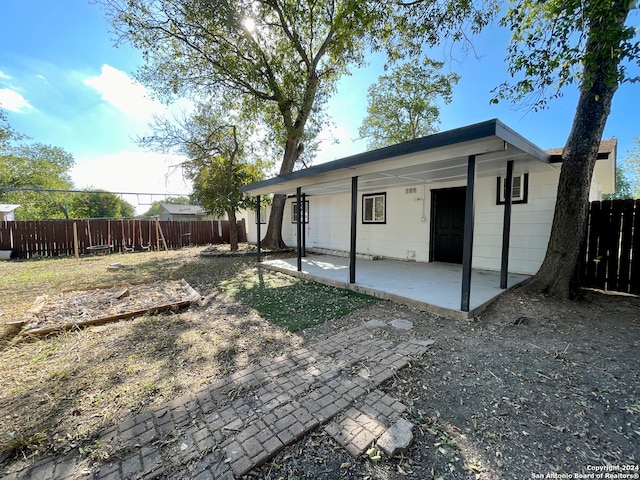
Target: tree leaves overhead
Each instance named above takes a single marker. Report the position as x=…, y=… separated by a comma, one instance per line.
x=419, y=23
x=403, y=105
x=281, y=58
x=556, y=43
x=548, y=48
x=282, y=52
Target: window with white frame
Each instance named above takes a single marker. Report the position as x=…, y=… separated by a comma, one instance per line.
x=374, y=208
x=519, y=189
x=294, y=212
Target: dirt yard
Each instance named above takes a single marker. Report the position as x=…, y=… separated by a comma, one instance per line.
x=532, y=387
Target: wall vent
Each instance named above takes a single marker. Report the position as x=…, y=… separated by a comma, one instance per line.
x=410, y=190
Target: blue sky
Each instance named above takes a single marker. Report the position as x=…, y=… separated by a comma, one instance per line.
x=63, y=83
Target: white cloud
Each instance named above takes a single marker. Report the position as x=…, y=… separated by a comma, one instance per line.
x=124, y=93
x=13, y=101
x=130, y=171
x=4, y=75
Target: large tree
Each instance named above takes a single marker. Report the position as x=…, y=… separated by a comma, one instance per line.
x=27, y=171
x=403, y=105
x=214, y=141
x=283, y=57
x=556, y=43
x=94, y=203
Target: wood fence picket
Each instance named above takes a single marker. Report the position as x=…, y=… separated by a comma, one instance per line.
x=54, y=238
x=611, y=253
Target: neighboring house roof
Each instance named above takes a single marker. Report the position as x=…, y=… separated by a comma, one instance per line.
x=605, y=169
x=442, y=157
x=8, y=207
x=175, y=209
x=606, y=148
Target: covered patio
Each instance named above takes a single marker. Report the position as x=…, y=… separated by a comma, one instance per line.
x=433, y=287
x=455, y=157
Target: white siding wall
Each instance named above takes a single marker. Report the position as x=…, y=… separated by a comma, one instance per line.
x=530, y=224
x=405, y=236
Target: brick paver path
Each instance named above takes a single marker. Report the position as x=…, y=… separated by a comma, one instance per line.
x=236, y=424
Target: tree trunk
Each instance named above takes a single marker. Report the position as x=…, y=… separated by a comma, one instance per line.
x=233, y=230
x=557, y=275
x=273, y=237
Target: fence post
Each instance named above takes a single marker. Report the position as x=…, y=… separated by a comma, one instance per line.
x=76, y=251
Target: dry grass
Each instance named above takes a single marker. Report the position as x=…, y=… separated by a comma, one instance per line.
x=57, y=393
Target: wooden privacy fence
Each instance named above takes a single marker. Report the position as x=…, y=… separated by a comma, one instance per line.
x=52, y=238
x=611, y=255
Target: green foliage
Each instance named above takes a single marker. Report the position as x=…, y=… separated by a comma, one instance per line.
x=99, y=204
x=281, y=58
x=214, y=141
x=628, y=176
x=33, y=166
x=403, y=104
x=413, y=24
x=548, y=48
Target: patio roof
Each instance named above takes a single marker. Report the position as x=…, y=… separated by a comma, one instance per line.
x=435, y=158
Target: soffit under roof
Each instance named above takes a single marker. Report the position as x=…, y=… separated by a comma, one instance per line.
x=438, y=158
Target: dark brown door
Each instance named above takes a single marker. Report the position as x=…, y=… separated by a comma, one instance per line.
x=447, y=224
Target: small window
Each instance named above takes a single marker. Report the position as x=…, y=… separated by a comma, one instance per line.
x=263, y=215
x=519, y=189
x=294, y=212
x=374, y=208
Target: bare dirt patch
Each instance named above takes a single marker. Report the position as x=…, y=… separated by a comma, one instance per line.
x=72, y=309
x=533, y=386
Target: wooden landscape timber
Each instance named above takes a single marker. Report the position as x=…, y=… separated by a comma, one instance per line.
x=192, y=296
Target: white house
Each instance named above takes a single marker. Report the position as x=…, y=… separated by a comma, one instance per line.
x=411, y=201
x=7, y=211
x=176, y=212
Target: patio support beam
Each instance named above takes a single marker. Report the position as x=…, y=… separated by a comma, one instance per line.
x=259, y=243
x=304, y=224
x=354, y=222
x=467, y=242
x=299, y=228
x=506, y=225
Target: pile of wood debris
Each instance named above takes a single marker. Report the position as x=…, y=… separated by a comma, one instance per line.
x=91, y=307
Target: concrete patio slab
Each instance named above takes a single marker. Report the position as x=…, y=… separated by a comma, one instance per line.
x=433, y=287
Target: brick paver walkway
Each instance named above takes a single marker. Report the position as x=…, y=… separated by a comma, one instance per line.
x=236, y=424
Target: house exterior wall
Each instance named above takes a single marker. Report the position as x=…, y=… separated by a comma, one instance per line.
x=406, y=233
x=7, y=216
x=178, y=217
x=530, y=224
